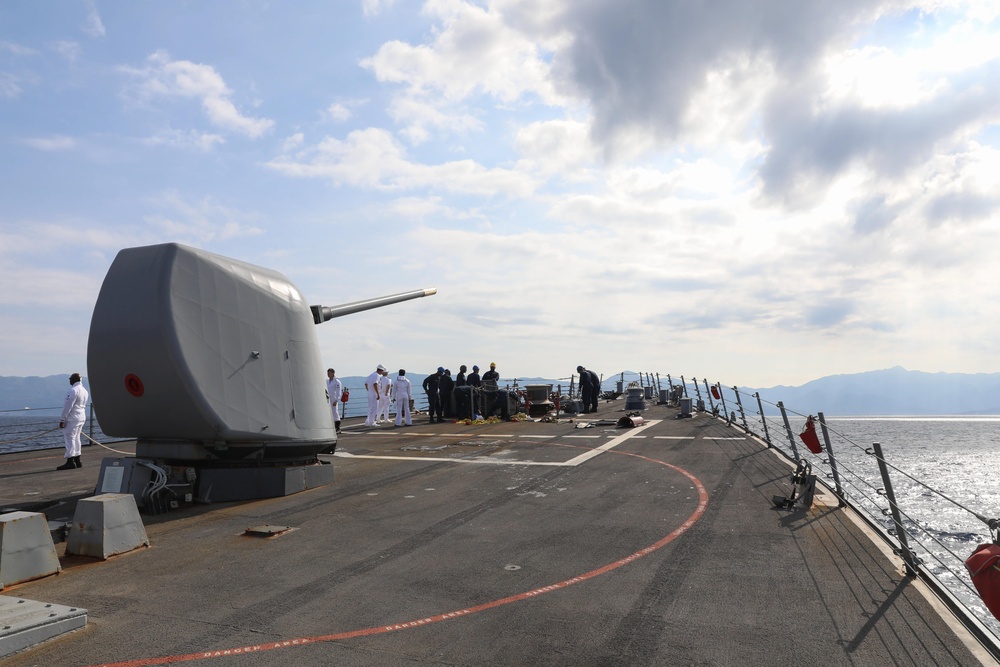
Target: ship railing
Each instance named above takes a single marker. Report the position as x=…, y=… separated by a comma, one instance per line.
x=38, y=428
x=861, y=476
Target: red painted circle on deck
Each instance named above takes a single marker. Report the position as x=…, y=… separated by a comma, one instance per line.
x=458, y=613
x=134, y=385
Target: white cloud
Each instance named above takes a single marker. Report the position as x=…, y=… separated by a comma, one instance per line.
x=201, y=141
x=420, y=116
x=293, y=142
x=371, y=158
x=164, y=77
x=375, y=7
x=200, y=222
x=9, y=85
x=68, y=50
x=474, y=52
x=93, y=25
x=338, y=112
x=16, y=49
x=54, y=143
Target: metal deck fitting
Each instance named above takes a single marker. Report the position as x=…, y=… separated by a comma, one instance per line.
x=24, y=623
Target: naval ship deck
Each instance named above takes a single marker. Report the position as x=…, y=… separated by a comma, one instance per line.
x=521, y=543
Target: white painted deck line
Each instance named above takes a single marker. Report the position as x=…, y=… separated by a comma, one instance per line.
x=586, y=456
x=436, y=459
x=611, y=444
x=673, y=437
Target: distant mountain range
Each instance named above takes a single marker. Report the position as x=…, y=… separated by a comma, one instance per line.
x=893, y=391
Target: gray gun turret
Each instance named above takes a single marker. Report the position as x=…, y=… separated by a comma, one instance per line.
x=203, y=357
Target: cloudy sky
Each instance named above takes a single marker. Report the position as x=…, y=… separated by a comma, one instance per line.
x=757, y=192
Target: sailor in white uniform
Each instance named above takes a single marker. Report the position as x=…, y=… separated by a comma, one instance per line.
x=402, y=390
x=384, y=400
x=335, y=388
x=74, y=414
x=372, y=386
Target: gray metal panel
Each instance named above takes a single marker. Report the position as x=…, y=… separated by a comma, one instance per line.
x=24, y=623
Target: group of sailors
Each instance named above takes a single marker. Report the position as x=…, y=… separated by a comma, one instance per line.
x=466, y=396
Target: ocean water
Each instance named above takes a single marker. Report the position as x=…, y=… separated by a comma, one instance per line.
x=942, y=473
x=22, y=430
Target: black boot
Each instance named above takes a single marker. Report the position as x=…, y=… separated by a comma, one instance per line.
x=69, y=465
x=76, y=462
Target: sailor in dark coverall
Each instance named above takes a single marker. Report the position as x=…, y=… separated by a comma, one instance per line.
x=445, y=387
x=596, y=389
x=477, y=390
x=491, y=382
x=589, y=387
x=431, y=386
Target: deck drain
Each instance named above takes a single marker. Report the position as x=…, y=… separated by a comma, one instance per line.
x=511, y=568
x=267, y=530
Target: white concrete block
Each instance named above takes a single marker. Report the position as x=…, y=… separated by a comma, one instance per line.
x=26, y=548
x=106, y=525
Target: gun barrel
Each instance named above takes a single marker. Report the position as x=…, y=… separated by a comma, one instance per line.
x=324, y=313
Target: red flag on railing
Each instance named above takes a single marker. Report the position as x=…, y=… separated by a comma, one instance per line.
x=809, y=436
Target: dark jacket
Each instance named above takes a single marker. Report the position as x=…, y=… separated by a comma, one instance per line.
x=431, y=383
x=595, y=381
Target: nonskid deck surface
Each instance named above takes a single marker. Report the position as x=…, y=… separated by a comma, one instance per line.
x=503, y=544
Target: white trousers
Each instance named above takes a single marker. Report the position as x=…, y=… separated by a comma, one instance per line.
x=71, y=437
x=383, y=408
x=372, y=409
x=403, y=410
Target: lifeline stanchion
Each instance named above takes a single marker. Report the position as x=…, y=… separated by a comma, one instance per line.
x=788, y=430
x=697, y=393
x=743, y=415
x=722, y=398
x=904, y=551
x=708, y=391
x=760, y=410
x=841, y=495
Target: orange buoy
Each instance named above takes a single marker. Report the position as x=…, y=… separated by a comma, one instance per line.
x=985, y=574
